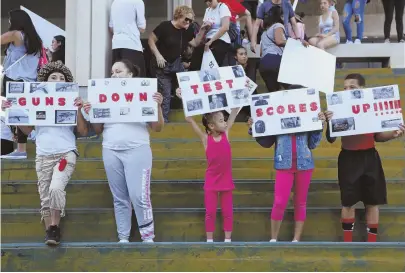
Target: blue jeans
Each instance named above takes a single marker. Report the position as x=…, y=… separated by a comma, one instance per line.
x=350, y=10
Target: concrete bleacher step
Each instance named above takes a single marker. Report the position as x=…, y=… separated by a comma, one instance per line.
x=186, y=168
x=240, y=149
x=182, y=194
x=187, y=224
x=203, y=257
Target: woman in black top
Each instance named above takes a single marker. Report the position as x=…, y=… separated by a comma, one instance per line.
x=167, y=43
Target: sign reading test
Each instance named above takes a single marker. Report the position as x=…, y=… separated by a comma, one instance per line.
x=364, y=111
x=211, y=90
x=42, y=103
x=285, y=112
x=123, y=100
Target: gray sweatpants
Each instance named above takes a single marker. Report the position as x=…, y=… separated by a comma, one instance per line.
x=128, y=173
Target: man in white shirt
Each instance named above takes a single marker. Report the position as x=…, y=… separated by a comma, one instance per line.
x=127, y=22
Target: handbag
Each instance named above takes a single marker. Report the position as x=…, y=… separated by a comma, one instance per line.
x=176, y=66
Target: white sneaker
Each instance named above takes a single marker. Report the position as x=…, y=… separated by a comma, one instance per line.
x=148, y=241
x=210, y=240
x=402, y=41
x=228, y=241
x=387, y=41
x=295, y=241
x=349, y=42
x=357, y=41
x=273, y=241
x=123, y=241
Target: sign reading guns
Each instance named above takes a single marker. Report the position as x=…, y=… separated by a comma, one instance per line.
x=123, y=100
x=285, y=112
x=42, y=103
x=212, y=90
x=364, y=111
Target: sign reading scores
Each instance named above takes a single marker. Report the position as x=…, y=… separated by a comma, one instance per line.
x=42, y=103
x=123, y=100
x=212, y=90
x=285, y=112
x=364, y=111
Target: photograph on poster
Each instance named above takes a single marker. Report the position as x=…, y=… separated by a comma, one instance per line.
x=194, y=105
x=145, y=83
x=12, y=101
x=15, y=87
x=261, y=100
x=289, y=123
x=184, y=78
x=392, y=123
x=217, y=101
x=65, y=116
x=66, y=87
x=209, y=75
x=101, y=113
x=148, y=111
x=41, y=115
x=39, y=87
x=382, y=93
x=334, y=99
x=240, y=96
x=238, y=71
x=260, y=127
x=356, y=94
x=18, y=116
x=125, y=111
x=343, y=124
x=311, y=91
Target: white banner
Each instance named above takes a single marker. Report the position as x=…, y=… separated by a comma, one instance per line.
x=310, y=67
x=122, y=100
x=42, y=103
x=212, y=90
x=285, y=112
x=45, y=29
x=364, y=111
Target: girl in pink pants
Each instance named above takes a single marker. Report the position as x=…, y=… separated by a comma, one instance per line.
x=293, y=163
x=218, y=177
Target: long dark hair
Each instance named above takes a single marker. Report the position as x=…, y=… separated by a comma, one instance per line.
x=59, y=53
x=136, y=71
x=272, y=17
x=21, y=21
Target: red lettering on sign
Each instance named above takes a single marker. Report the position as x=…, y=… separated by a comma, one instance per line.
x=195, y=89
x=269, y=111
x=48, y=101
x=218, y=86
x=366, y=107
x=259, y=112
x=229, y=82
x=22, y=101
x=115, y=97
x=303, y=107
x=35, y=101
x=102, y=98
x=280, y=109
x=291, y=108
x=61, y=101
x=143, y=96
x=129, y=96
x=207, y=87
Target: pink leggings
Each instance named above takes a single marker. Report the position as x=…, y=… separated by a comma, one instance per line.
x=284, y=182
x=211, y=202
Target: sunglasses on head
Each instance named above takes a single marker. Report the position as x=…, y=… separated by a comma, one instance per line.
x=188, y=20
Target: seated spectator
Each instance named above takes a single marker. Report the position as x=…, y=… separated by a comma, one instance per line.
x=243, y=60
x=355, y=7
x=264, y=10
x=58, y=49
x=127, y=22
x=328, y=35
x=389, y=6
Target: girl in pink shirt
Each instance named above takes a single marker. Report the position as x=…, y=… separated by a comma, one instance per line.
x=218, y=177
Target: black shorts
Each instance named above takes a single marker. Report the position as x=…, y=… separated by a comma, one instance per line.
x=361, y=178
x=136, y=57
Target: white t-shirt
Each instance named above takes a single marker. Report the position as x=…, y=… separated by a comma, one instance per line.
x=124, y=136
x=125, y=18
x=214, y=16
x=54, y=140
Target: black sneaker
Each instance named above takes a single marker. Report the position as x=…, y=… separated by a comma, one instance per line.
x=46, y=236
x=53, y=236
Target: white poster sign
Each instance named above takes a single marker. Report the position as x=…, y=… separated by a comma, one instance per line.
x=364, y=111
x=307, y=66
x=208, y=61
x=285, y=112
x=42, y=103
x=46, y=30
x=213, y=90
x=122, y=100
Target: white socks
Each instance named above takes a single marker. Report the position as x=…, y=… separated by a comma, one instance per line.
x=210, y=240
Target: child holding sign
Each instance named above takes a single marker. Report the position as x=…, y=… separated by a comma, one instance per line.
x=293, y=162
x=218, y=177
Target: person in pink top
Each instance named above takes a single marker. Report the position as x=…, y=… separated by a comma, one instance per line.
x=218, y=177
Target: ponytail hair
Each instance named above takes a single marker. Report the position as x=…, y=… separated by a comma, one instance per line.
x=206, y=120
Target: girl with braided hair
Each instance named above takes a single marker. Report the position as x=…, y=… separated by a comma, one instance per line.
x=56, y=155
x=218, y=177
